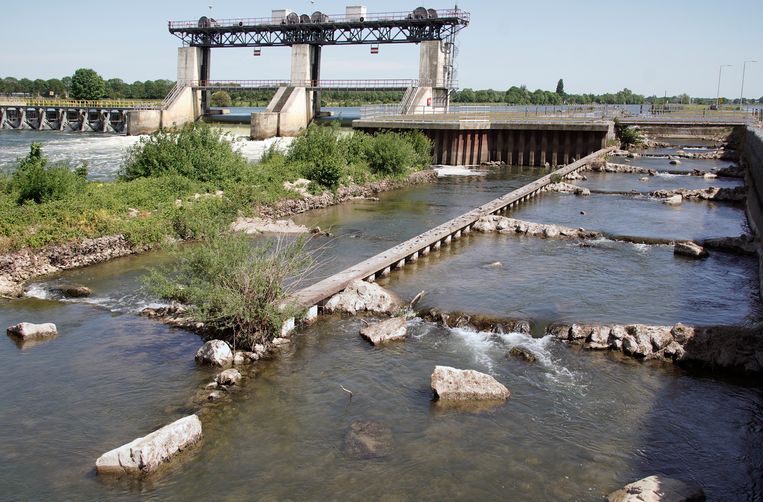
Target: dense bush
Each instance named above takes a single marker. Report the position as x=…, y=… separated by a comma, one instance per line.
x=234, y=287
x=35, y=181
x=319, y=156
x=629, y=136
x=389, y=153
x=196, y=151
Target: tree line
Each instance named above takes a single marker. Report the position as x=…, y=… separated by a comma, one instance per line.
x=86, y=84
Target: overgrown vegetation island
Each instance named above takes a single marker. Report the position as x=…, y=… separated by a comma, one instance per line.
x=191, y=184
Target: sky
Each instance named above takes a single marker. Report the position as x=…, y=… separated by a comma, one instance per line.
x=652, y=47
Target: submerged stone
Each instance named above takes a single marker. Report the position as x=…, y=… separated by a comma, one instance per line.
x=658, y=489
x=522, y=353
x=367, y=440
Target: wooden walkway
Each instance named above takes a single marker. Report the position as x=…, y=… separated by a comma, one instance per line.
x=432, y=240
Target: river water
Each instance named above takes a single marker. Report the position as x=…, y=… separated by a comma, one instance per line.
x=578, y=424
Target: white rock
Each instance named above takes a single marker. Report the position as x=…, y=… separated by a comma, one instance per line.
x=450, y=384
x=228, y=377
x=674, y=200
x=10, y=289
x=644, y=179
x=26, y=330
x=385, y=331
x=710, y=176
x=658, y=489
x=251, y=226
x=215, y=353
x=690, y=249
x=146, y=454
x=362, y=296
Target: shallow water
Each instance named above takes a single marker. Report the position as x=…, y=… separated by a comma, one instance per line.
x=578, y=425
x=686, y=165
x=636, y=216
x=616, y=182
x=602, y=281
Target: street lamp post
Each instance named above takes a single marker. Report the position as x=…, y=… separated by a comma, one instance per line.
x=741, y=94
x=720, y=70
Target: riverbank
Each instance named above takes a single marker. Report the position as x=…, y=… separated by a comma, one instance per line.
x=183, y=186
x=19, y=266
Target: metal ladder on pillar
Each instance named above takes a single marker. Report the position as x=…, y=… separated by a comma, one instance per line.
x=405, y=103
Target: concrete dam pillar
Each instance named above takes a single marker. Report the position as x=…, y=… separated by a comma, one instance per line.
x=432, y=94
x=293, y=107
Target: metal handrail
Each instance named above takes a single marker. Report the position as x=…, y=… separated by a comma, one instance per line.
x=459, y=14
x=338, y=84
x=95, y=103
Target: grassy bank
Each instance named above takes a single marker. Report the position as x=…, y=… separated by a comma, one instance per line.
x=187, y=184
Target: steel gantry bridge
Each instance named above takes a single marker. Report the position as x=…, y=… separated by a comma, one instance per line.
x=420, y=25
x=297, y=100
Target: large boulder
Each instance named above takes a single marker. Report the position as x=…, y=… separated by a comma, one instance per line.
x=360, y=296
x=366, y=440
x=215, y=353
x=658, y=489
x=385, y=331
x=144, y=455
x=451, y=384
x=27, y=330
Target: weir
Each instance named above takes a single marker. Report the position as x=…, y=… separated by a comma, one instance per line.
x=383, y=264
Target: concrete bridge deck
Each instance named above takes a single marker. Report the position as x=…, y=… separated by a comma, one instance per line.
x=409, y=251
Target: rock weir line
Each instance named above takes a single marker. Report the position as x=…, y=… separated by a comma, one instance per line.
x=432, y=240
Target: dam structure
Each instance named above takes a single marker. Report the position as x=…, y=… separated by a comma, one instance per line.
x=297, y=100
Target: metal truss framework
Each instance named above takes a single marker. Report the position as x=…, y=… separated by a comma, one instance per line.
x=248, y=33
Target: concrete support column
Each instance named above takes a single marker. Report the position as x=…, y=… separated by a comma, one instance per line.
x=193, y=64
x=22, y=118
x=40, y=119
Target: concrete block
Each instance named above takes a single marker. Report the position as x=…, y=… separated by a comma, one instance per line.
x=264, y=125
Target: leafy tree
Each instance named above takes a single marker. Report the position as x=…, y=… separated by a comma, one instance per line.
x=87, y=84
x=220, y=98
x=560, y=87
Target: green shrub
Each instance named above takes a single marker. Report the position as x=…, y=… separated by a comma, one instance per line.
x=389, y=154
x=556, y=178
x=629, y=136
x=236, y=288
x=319, y=156
x=196, y=151
x=422, y=145
x=353, y=146
x=35, y=181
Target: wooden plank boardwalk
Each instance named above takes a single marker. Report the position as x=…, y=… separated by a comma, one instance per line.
x=432, y=240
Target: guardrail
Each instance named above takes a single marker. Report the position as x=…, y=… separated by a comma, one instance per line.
x=319, y=84
x=529, y=113
x=93, y=104
x=458, y=14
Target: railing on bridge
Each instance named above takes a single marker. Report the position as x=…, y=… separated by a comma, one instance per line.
x=101, y=104
x=329, y=19
x=530, y=113
x=362, y=84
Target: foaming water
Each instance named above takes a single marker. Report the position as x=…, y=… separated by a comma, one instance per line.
x=443, y=171
x=104, y=153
